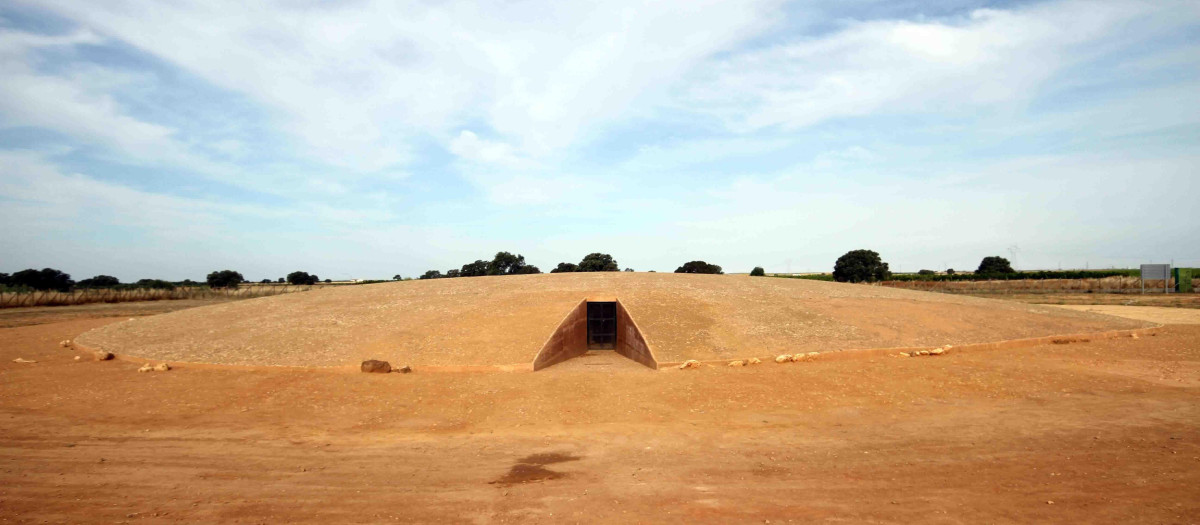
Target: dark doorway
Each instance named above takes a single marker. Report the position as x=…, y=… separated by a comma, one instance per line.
x=601, y=326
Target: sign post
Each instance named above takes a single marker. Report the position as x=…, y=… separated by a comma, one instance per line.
x=1154, y=272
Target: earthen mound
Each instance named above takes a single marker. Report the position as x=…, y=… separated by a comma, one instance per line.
x=505, y=320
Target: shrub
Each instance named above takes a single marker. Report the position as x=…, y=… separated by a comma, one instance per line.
x=629, y=269
x=860, y=266
x=431, y=274
x=926, y=272
x=398, y=278
x=155, y=284
x=698, y=267
x=994, y=265
x=758, y=272
x=949, y=271
x=225, y=279
x=328, y=280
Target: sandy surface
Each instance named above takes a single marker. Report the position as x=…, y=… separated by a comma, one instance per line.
x=1154, y=314
x=505, y=320
x=1098, y=432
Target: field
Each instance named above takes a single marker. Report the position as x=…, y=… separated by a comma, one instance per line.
x=1100, y=432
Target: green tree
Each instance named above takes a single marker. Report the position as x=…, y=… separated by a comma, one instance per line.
x=225, y=279
x=44, y=279
x=758, y=272
x=565, y=267
x=302, y=278
x=505, y=263
x=397, y=277
x=99, y=281
x=860, y=266
x=994, y=265
x=475, y=269
x=698, y=267
x=598, y=262
x=156, y=284
x=431, y=274
x=453, y=272
x=949, y=271
x=926, y=272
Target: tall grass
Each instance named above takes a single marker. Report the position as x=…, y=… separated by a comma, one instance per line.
x=1113, y=284
x=103, y=295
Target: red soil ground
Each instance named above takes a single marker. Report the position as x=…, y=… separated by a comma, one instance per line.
x=1106, y=431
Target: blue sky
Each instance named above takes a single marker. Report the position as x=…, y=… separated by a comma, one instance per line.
x=365, y=139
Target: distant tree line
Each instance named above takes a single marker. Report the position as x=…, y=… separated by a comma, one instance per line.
x=504, y=263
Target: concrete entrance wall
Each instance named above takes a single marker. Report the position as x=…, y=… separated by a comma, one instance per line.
x=570, y=338
x=630, y=342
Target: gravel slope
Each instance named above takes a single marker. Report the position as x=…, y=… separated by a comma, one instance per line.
x=505, y=320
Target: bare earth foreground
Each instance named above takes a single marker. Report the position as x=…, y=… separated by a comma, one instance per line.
x=1101, y=431
x=505, y=320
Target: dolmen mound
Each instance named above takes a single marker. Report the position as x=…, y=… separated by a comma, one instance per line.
x=506, y=320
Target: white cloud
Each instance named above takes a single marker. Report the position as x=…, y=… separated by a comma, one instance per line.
x=467, y=145
x=354, y=83
x=898, y=66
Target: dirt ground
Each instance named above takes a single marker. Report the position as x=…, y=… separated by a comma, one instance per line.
x=505, y=320
x=1106, y=431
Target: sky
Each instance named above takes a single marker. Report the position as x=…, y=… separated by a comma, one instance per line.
x=363, y=139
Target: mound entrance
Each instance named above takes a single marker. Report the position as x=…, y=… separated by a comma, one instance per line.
x=596, y=324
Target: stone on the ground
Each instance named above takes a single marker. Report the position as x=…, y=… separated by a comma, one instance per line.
x=78, y=358
x=375, y=366
x=753, y=361
x=783, y=358
x=937, y=351
x=690, y=363
x=162, y=367
x=64, y=343
x=737, y=363
x=923, y=352
x=406, y=369
x=103, y=356
x=146, y=368
x=23, y=360
x=814, y=354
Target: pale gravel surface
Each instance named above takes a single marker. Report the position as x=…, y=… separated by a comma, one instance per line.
x=505, y=320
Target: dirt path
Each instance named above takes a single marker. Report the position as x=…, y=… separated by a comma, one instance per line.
x=1109, y=431
x=1154, y=314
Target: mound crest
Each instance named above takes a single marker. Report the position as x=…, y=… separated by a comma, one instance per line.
x=507, y=320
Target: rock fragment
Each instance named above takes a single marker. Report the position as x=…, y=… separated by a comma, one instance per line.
x=753, y=361
x=375, y=366
x=405, y=369
x=146, y=368
x=103, y=356
x=162, y=367
x=783, y=358
x=23, y=360
x=690, y=363
x=737, y=363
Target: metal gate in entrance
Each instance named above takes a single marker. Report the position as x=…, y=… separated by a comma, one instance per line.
x=601, y=326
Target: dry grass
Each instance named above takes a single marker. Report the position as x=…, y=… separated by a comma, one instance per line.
x=1117, y=284
x=90, y=296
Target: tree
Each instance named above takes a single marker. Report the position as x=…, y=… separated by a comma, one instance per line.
x=629, y=269
x=926, y=272
x=475, y=269
x=598, y=262
x=302, y=278
x=44, y=279
x=860, y=266
x=5, y=279
x=432, y=274
x=99, y=281
x=949, y=271
x=758, y=272
x=265, y=281
x=526, y=270
x=156, y=284
x=698, y=267
x=397, y=277
x=505, y=264
x=327, y=281
x=565, y=267
x=994, y=265
x=453, y=272
x=225, y=279
x=281, y=280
